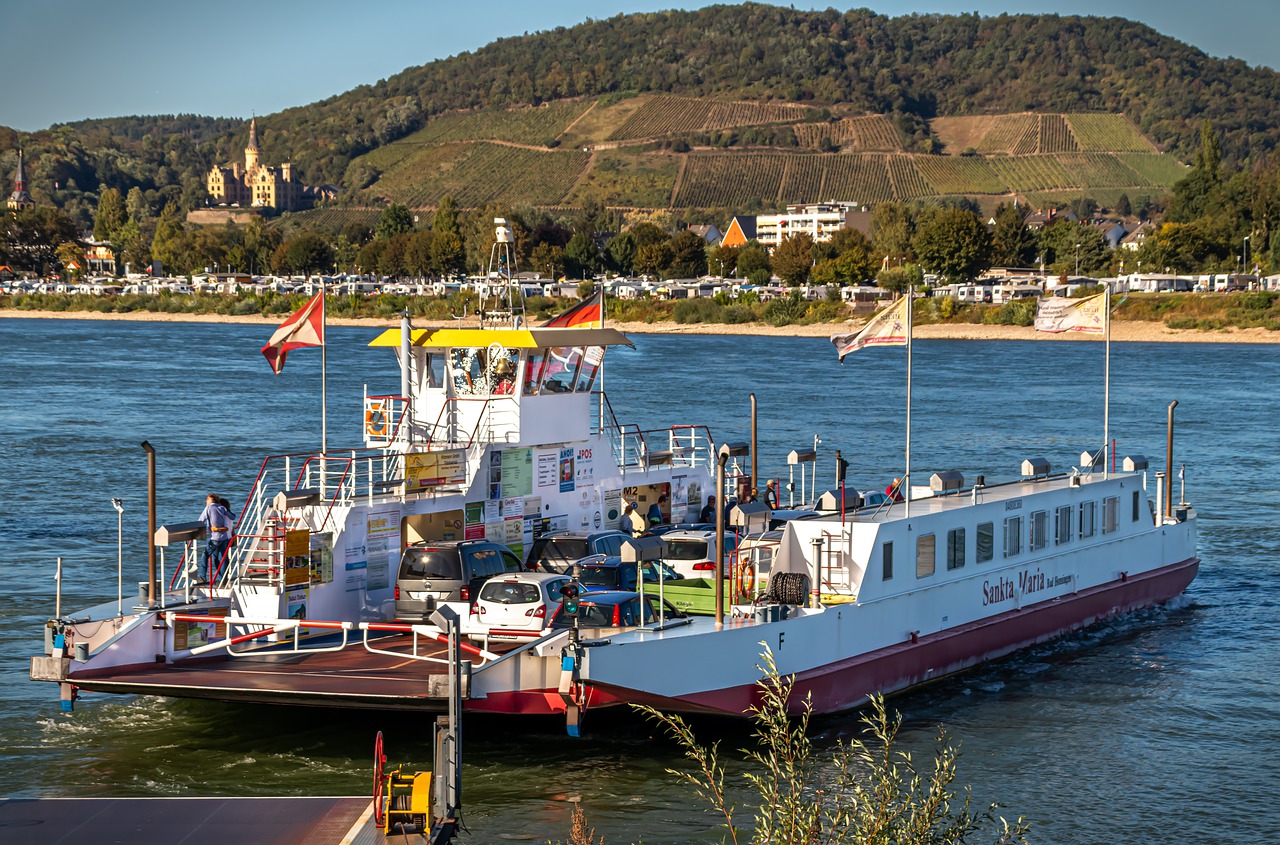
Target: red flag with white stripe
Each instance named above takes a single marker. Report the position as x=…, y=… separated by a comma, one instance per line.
x=304, y=328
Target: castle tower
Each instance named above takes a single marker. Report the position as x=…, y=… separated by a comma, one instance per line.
x=251, y=152
x=20, y=200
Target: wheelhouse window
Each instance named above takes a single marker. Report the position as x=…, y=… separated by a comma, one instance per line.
x=1088, y=519
x=886, y=560
x=1110, y=506
x=926, y=555
x=591, y=360
x=1137, y=501
x=1062, y=525
x=986, y=542
x=560, y=371
x=533, y=372
x=955, y=548
x=1013, y=536
x=1039, y=530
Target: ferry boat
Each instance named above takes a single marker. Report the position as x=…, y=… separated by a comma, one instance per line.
x=506, y=434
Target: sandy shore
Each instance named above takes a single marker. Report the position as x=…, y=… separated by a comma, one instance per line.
x=1121, y=331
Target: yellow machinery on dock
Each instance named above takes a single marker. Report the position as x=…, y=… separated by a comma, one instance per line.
x=400, y=799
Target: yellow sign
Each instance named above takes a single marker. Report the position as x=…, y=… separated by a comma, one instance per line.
x=433, y=469
x=297, y=543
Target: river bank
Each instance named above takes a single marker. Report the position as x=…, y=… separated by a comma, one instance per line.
x=1125, y=331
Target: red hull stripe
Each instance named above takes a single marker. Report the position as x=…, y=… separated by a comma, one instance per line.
x=847, y=683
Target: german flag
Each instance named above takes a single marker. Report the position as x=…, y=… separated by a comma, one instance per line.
x=587, y=314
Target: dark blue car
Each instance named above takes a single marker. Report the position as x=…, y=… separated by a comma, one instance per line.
x=608, y=572
x=614, y=609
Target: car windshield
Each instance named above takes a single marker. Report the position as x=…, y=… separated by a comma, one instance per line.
x=650, y=572
x=565, y=549
x=510, y=592
x=604, y=576
x=431, y=563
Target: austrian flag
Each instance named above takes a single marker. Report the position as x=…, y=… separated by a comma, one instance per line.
x=304, y=328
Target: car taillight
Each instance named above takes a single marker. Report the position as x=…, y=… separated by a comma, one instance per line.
x=397, y=592
x=617, y=615
x=539, y=612
x=705, y=566
x=476, y=610
x=465, y=592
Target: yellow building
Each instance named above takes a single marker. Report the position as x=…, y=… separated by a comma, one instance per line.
x=254, y=184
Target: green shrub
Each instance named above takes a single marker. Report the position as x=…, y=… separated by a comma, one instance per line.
x=786, y=310
x=698, y=311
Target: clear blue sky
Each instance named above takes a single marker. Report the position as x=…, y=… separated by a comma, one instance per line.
x=73, y=59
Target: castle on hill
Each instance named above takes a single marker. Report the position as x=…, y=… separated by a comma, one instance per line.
x=256, y=185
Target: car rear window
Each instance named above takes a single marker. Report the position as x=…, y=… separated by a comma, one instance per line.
x=565, y=550
x=599, y=576
x=431, y=563
x=688, y=550
x=485, y=562
x=509, y=592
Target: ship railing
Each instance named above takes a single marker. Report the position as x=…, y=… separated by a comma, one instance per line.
x=386, y=419
x=258, y=628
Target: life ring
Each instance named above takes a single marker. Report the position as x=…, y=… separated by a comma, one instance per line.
x=746, y=580
x=376, y=421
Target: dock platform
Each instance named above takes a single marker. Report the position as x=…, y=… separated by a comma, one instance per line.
x=192, y=821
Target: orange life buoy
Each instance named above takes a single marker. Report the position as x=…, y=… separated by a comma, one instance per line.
x=746, y=580
x=376, y=421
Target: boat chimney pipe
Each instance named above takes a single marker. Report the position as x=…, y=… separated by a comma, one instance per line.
x=151, y=521
x=755, y=479
x=1168, y=462
x=720, y=462
x=406, y=330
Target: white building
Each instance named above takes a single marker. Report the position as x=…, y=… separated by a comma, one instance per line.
x=819, y=220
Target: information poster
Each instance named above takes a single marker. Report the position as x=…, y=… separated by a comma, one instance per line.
x=474, y=529
x=566, y=471
x=296, y=601
x=513, y=507
x=321, y=558
x=584, y=467
x=495, y=475
x=354, y=558
x=382, y=547
x=517, y=473
x=679, y=498
x=548, y=466
x=612, y=507
x=192, y=634
x=432, y=469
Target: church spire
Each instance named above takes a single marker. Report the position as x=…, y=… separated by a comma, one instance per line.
x=20, y=198
x=253, y=135
x=251, y=152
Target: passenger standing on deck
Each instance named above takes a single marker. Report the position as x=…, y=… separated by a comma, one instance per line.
x=894, y=490
x=624, y=521
x=708, y=513
x=655, y=511
x=771, y=496
x=218, y=523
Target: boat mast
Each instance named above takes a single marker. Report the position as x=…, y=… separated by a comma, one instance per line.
x=1106, y=390
x=906, y=478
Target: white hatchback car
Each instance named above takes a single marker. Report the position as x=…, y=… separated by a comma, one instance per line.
x=692, y=552
x=515, y=607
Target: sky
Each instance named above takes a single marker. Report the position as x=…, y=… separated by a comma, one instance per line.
x=74, y=59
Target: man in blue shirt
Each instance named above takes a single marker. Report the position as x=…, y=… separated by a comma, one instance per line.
x=219, y=523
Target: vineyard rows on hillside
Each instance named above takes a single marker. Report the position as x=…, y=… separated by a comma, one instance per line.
x=951, y=175
x=480, y=173
x=726, y=180
x=728, y=115
x=872, y=133
x=907, y=181
x=1055, y=135
x=664, y=115
x=534, y=125
x=1009, y=133
x=1107, y=133
x=1154, y=169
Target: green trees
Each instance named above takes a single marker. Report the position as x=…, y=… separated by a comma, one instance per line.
x=688, y=256
x=1012, y=243
x=394, y=220
x=869, y=793
x=953, y=243
x=110, y=215
x=1064, y=243
x=793, y=259
x=754, y=263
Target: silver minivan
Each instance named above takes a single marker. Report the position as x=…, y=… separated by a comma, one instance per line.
x=434, y=572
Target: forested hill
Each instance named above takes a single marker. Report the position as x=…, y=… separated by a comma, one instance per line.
x=913, y=68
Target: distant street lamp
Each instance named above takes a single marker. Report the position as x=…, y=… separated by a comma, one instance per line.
x=1244, y=256
x=1077, y=259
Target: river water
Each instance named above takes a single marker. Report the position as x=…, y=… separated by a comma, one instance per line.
x=1161, y=727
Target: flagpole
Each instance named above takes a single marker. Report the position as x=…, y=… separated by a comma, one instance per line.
x=906, y=479
x=602, y=356
x=324, y=376
x=1106, y=390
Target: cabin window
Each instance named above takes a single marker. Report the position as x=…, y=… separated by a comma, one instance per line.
x=435, y=370
x=560, y=372
x=1088, y=514
x=1137, y=499
x=533, y=372
x=955, y=548
x=591, y=360
x=1039, y=530
x=1062, y=528
x=468, y=366
x=1110, y=506
x=1013, y=536
x=926, y=555
x=986, y=542
x=886, y=560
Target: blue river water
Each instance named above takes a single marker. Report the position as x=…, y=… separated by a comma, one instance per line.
x=1160, y=727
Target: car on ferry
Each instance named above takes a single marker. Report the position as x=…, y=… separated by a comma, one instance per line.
x=516, y=607
x=615, y=609
x=453, y=570
x=692, y=553
x=556, y=552
x=602, y=572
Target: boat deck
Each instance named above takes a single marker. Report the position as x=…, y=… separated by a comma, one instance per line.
x=353, y=677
